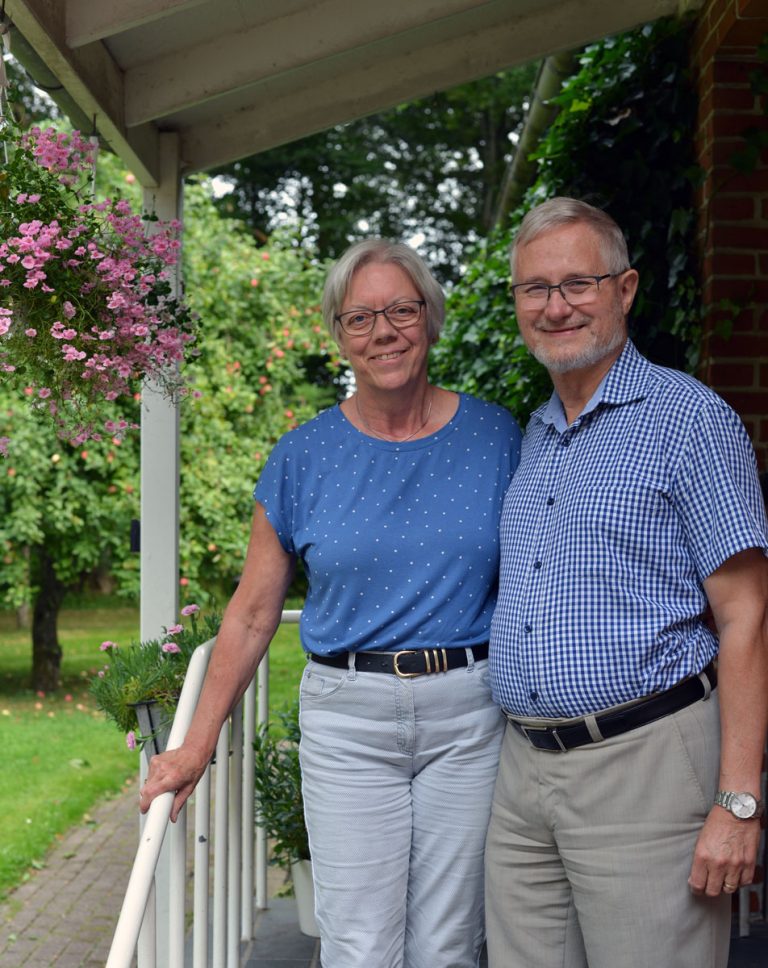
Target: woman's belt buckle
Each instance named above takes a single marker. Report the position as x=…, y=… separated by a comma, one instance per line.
x=436, y=657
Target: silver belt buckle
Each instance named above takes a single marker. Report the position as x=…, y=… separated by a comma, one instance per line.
x=543, y=729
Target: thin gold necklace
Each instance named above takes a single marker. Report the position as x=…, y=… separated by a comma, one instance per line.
x=395, y=440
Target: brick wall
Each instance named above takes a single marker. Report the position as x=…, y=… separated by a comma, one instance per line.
x=733, y=211
x=733, y=238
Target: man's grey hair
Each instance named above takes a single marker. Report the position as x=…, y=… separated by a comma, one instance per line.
x=566, y=211
x=381, y=250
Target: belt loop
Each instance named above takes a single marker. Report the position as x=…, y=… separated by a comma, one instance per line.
x=470, y=660
x=706, y=683
x=593, y=729
x=351, y=667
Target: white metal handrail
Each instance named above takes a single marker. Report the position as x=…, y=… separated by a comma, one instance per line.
x=234, y=875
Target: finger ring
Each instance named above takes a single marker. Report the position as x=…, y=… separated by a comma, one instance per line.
x=729, y=887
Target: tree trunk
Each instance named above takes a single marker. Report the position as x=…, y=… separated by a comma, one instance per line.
x=22, y=616
x=46, y=651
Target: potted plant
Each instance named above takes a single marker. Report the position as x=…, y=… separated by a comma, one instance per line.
x=280, y=808
x=139, y=685
x=87, y=297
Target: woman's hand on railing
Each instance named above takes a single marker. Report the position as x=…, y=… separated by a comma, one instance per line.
x=177, y=771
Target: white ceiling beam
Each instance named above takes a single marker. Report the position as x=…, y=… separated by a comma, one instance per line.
x=92, y=79
x=290, y=107
x=87, y=21
x=234, y=61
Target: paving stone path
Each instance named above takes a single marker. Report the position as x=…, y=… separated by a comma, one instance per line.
x=66, y=913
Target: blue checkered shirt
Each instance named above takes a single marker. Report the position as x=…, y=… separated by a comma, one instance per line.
x=609, y=527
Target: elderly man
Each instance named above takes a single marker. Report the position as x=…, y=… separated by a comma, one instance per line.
x=627, y=807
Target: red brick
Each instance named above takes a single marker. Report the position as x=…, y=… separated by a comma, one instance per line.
x=739, y=236
x=763, y=264
x=739, y=290
x=733, y=99
x=737, y=181
x=734, y=264
x=737, y=376
x=746, y=403
x=724, y=149
x=709, y=47
x=763, y=207
x=742, y=34
x=731, y=208
x=739, y=345
x=734, y=125
x=752, y=9
x=734, y=71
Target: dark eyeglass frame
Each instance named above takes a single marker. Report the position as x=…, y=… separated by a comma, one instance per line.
x=341, y=317
x=559, y=286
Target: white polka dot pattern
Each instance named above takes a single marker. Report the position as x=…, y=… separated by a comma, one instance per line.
x=400, y=541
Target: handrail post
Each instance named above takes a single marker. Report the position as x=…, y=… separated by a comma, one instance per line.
x=234, y=835
x=202, y=874
x=247, y=814
x=221, y=785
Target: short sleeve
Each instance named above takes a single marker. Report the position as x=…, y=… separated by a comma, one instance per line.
x=275, y=490
x=717, y=491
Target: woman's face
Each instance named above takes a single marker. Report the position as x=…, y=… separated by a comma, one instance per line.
x=386, y=358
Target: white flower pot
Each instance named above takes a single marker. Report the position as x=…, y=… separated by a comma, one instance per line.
x=304, y=889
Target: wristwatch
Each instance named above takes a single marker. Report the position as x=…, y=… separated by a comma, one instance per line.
x=744, y=806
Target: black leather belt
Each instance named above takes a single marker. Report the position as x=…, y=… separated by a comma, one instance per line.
x=408, y=663
x=558, y=739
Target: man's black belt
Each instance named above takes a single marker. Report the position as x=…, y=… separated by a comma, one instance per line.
x=593, y=729
x=408, y=663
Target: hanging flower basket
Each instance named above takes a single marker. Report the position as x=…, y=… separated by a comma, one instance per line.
x=139, y=686
x=87, y=304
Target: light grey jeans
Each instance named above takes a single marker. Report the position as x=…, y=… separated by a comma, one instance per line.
x=398, y=776
x=589, y=851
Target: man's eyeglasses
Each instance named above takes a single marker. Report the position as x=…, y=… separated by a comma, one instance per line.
x=576, y=292
x=360, y=322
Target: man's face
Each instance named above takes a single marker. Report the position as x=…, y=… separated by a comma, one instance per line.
x=567, y=338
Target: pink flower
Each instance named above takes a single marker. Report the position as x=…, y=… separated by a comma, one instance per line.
x=175, y=629
x=106, y=646
x=4, y=441
x=30, y=332
x=130, y=740
x=190, y=609
x=171, y=647
x=44, y=393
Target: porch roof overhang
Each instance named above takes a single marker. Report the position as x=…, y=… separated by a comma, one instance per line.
x=232, y=78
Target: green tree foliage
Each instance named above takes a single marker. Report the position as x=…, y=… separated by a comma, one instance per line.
x=433, y=166
x=266, y=364
x=64, y=513
x=622, y=141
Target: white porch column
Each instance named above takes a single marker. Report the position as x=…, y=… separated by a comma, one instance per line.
x=159, y=604
x=160, y=449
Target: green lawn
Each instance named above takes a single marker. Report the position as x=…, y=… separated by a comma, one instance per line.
x=60, y=754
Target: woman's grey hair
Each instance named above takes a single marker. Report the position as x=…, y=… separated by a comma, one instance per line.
x=381, y=250
x=565, y=211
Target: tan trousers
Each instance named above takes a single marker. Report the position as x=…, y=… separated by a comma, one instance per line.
x=589, y=851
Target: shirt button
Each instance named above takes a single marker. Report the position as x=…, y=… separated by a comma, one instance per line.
x=534, y=696
x=565, y=442
x=550, y=501
x=537, y=564
x=527, y=628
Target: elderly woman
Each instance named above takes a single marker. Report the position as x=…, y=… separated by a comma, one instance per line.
x=392, y=501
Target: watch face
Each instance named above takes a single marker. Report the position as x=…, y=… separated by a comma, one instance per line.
x=743, y=805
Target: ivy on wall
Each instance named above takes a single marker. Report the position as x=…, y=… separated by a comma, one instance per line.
x=622, y=141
